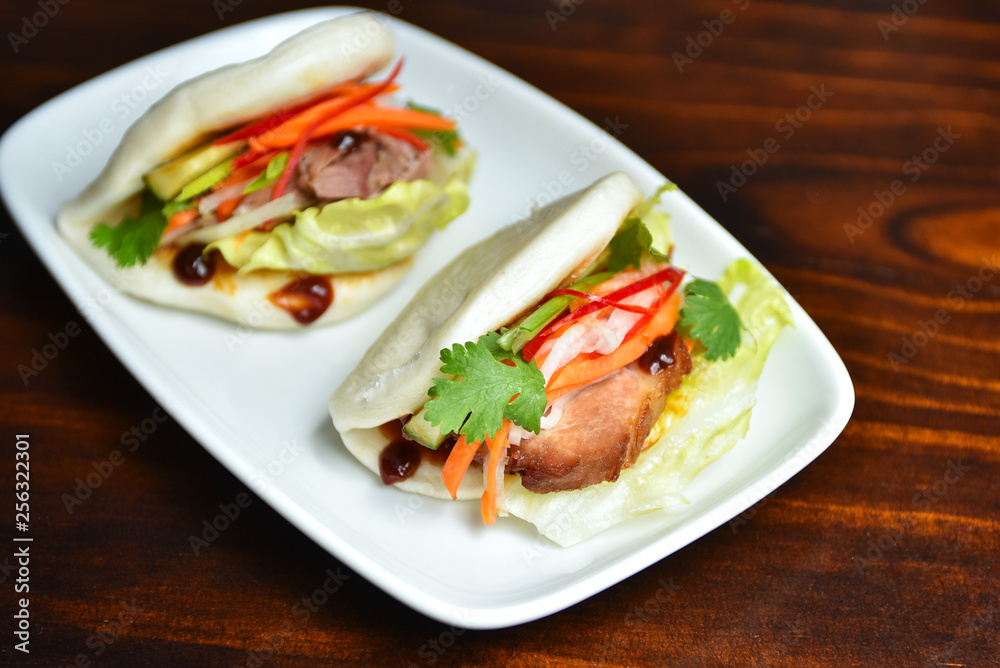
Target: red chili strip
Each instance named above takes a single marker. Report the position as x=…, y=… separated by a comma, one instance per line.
x=272, y=121
x=355, y=99
x=601, y=300
x=276, y=119
x=408, y=137
x=251, y=156
x=641, y=324
x=293, y=160
x=531, y=348
x=300, y=143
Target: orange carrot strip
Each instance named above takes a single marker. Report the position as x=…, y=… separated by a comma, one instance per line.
x=285, y=136
x=488, y=502
x=458, y=463
x=246, y=171
x=410, y=138
x=225, y=209
x=180, y=219
x=489, y=517
x=327, y=109
x=581, y=370
x=277, y=118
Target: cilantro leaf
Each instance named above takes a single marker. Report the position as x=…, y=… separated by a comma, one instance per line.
x=476, y=404
x=133, y=239
x=712, y=319
x=448, y=140
x=636, y=235
x=629, y=243
x=275, y=166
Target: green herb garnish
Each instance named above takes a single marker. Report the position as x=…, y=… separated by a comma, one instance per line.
x=487, y=390
x=712, y=319
x=133, y=240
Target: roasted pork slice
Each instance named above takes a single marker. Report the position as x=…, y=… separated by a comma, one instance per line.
x=355, y=164
x=347, y=176
x=604, y=426
x=397, y=161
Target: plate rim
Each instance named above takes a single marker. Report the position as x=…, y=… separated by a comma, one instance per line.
x=128, y=352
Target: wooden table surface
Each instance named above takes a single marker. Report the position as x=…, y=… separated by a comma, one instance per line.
x=878, y=208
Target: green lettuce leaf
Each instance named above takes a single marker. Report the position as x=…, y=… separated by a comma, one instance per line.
x=705, y=417
x=356, y=234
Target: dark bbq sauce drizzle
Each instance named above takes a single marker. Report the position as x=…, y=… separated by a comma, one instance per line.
x=659, y=355
x=305, y=299
x=348, y=141
x=192, y=267
x=401, y=457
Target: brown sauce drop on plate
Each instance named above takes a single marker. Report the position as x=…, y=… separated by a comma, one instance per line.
x=305, y=298
x=192, y=267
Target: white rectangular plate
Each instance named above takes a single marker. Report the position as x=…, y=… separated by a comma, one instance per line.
x=246, y=396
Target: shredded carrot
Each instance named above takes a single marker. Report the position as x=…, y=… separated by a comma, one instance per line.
x=488, y=502
x=263, y=123
x=246, y=171
x=180, y=219
x=582, y=370
x=328, y=109
x=225, y=209
x=458, y=463
x=286, y=136
x=408, y=137
x=293, y=160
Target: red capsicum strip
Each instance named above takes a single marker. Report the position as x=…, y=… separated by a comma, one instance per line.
x=293, y=160
x=670, y=273
x=641, y=324
x=408, y=137
x=600, y=300
x=345, y=104
x=272, y=121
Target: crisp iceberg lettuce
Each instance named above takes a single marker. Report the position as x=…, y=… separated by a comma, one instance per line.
x=356, y=234
x=705, y=417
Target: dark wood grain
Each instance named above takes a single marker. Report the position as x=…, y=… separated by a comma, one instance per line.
x=873, y=555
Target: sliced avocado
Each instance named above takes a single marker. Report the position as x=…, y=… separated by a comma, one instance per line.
x=206, y=180
x=422, y=431
x=167, y=180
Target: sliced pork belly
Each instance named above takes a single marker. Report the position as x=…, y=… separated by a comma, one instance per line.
x=604, y=426
x=359, y=164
